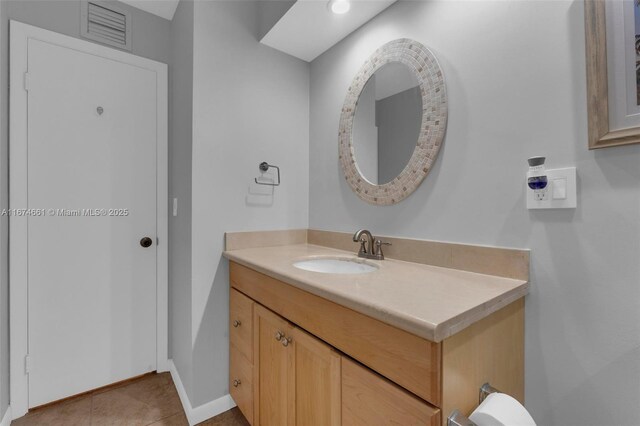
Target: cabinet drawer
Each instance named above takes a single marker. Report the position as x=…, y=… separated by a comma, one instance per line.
x=369, y=399
x=241, y=323
x=241, y=382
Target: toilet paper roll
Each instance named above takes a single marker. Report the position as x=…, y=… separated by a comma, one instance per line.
x=499, y=409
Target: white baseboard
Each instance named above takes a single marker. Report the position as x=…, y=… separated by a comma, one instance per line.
x=202, y=412
x=6, y=419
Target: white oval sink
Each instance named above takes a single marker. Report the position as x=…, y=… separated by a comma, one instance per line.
x=336, y=265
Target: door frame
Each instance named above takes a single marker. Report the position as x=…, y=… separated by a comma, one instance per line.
x=20, y=34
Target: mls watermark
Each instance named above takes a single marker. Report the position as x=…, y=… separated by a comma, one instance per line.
x=65, y=212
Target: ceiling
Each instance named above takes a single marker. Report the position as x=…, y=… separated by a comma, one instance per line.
x=306, y=30
x=162, y=8
x=309, y=28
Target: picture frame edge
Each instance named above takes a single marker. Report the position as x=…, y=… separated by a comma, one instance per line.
x=599, y=134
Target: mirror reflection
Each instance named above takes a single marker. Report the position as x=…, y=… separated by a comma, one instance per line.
x=387, y=123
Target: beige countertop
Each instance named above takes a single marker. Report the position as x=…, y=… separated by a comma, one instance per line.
x=429, y=301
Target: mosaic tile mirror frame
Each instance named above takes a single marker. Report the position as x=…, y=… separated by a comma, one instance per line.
x=424, y=65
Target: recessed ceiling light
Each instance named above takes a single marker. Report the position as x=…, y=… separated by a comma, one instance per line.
x=339, y=7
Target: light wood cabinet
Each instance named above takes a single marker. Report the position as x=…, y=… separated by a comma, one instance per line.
x=317, y=381
x=368, y=399
x=411, y=361
x=241, y=323
x=274, y=376
x=241, y=352
x=297, y=375
x=303, y=360
x=241, y=382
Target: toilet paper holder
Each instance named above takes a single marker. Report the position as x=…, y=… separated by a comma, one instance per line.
x=456, y=418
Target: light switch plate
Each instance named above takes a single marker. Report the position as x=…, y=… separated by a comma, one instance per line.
x=561, y=182
x=559, y=189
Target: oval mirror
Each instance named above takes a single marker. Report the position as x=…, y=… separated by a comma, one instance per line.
x=386, y=124
x=393, y=122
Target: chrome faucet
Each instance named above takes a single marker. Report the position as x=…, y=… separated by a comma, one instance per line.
x=370, y=247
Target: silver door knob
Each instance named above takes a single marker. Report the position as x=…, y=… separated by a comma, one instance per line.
x=279, y=335
x=286, y=341
x=236, y=383
x=237, y=323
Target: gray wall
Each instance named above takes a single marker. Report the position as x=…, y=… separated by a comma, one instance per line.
x=151, y=39
x=181, y=78
x=398, y=118
x=151, y=35
x=515, y=74
x=250, y=104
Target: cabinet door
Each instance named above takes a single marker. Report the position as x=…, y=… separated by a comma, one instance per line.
x=317, y=381
x=368, y=399
x=273, y=370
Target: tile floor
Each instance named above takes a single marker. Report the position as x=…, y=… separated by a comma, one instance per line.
x=150, y=400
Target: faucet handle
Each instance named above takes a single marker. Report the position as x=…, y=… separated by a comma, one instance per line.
x=379, y=244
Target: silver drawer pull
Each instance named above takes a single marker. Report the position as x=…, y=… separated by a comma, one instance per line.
x=286, y=341
x=279, y=335
x=236, y=383
x=237, y=323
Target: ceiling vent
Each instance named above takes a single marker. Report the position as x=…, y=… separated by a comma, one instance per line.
x=106, y=24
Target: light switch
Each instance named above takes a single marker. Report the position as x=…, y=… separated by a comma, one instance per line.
x=559, y=189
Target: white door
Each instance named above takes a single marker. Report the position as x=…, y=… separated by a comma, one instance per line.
x=92, y=168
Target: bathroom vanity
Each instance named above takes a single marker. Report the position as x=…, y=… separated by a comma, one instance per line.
x=406, y=343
